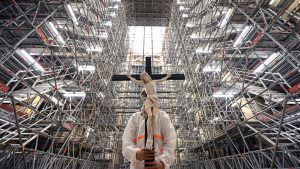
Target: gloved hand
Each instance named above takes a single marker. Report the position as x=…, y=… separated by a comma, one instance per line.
x=145, y=154
x=155, y=165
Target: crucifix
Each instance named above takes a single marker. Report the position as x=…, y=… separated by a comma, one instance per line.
x=150, y=105
x=148, y=69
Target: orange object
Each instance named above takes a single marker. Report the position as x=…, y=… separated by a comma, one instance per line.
x=8, y=108
x=4, y=88
x=43, y=36
x=156, y=136
x=139, y=138
x=295, y=88
x=257, y=38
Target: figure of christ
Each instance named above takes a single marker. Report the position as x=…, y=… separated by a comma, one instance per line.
x=151, y=104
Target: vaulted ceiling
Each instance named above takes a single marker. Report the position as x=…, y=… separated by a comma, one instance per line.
x=148, y=12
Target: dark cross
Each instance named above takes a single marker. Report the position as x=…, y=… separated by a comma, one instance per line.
x=148, y=70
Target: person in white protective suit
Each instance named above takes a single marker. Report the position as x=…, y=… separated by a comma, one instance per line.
x=133, y=147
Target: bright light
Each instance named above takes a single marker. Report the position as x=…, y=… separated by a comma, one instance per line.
x=55, y=33
x=272, y=2
x=112, y=14
x=266, y=63
x=103, y=35
x=185, y=15
x=71, y=12
x=148, y=44
x=29, y=59
x=181, y=8
x=116, y=6
x=187, y=95
x=294, y=101
x=211, y=68
x=215, y=119
x=201, y=51
x=86, y=68
x=242, y=36
x=189, y=25
x=74, y=94
x=223, y=95
x=4, y=101
x=94, y=49
x=224, y=92
x=184, y=83
x=197, y=68
x=226, y=18
x=179, y=2
x=227, y=77
x=226, y=95
x=88, y=131
x=100, y=94
x=108, y=23
x=206, y=50
x=179, y=62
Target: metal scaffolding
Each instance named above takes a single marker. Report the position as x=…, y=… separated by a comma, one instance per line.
x=57, y=59
x=237, y=108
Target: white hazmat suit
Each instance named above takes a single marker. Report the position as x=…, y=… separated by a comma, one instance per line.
x=164, y=139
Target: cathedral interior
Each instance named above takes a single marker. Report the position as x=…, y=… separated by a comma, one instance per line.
x=233, y=95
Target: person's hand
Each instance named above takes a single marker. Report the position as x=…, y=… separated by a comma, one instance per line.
x=155, y=165
x=145, y=154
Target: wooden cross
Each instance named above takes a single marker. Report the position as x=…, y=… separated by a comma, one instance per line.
x=149, y=71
